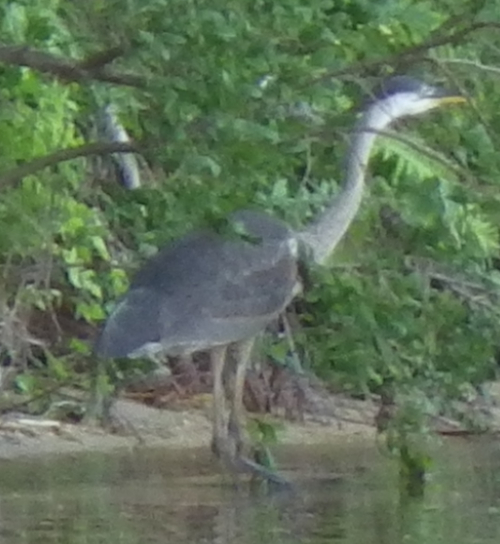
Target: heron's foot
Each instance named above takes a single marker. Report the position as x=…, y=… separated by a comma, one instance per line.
x=224, y=448
x=230, y=438
x=257, y=470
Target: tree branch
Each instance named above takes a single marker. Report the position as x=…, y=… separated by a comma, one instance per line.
x=92, y=68
x=15, y=175
x=101, y=58
x=405, y=56
x=473, y=64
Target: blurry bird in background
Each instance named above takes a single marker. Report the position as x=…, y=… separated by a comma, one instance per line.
x=110, y=129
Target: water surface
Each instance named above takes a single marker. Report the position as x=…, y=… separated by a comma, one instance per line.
x=346, y=494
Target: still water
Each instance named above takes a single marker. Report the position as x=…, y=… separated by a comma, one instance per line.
x=346, y=494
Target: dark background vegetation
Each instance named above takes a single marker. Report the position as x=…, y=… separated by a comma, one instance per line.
x=410, y=298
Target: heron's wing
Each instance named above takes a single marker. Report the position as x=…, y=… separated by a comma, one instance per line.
x=258, y=281
x=182, y=266
x=203, y=290
x=236, y=302
x=134, y=323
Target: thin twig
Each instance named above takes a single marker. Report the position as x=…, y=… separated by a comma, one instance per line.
x=474, y=64
x=471, y=292
x=15, y=175
x=16, y=406
x=457, y=170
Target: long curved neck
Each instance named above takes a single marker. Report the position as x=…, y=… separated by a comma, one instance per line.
x=325, y=232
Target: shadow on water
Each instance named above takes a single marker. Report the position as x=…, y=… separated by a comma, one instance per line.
x=346, y=494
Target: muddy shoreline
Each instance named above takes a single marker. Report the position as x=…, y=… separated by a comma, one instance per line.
x=146, y=427
x=188, y=427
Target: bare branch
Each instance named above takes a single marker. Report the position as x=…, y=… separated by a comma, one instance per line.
x=14, y=176
x=457, y=170
x=453, y=167
x=101, y=58
x=473, y=64
x=93, y=68
x=474, y=293
x=411, y=53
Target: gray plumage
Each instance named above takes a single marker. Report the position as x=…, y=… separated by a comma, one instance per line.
x=240, y=283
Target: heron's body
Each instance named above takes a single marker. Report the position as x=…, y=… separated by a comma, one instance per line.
x=206, y=289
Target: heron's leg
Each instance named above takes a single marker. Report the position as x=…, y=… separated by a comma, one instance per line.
x=220, y=432
x=237, y=418
x=222, y=447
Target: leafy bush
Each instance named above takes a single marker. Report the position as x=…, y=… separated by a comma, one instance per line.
x=244, y=103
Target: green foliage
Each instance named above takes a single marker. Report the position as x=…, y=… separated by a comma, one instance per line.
x=239, y=109
x=264, y=436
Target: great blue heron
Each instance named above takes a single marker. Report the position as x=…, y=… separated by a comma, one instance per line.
x=126, y=164
x=208, y=291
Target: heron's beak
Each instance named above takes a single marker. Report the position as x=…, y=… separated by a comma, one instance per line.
x=443, y=97
x=451, y=99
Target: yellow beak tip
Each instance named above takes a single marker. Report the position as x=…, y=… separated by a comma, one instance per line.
x=453, y=99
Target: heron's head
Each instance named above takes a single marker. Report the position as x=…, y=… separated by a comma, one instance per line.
x=403, y=96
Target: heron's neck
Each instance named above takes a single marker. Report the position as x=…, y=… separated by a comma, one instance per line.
x=325, y=232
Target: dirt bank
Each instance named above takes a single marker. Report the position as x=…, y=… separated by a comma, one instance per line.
x=143, y=426
x=190, y=427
